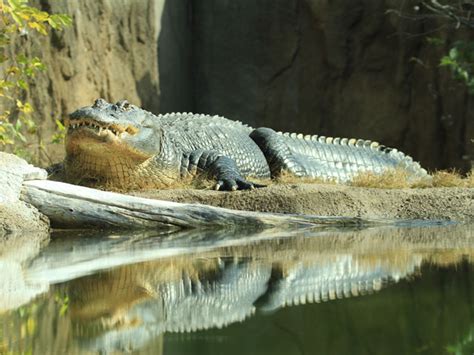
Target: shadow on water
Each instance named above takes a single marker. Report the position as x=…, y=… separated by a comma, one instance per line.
x=385, y=290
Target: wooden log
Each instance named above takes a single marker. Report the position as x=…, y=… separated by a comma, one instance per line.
x=71, y=206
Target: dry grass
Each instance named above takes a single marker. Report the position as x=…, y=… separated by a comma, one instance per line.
x=398, y=179
x=448, y=179
x=390, y=179
x=451, y=178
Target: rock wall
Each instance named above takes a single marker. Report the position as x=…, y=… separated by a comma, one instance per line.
x=110, y=51
x=342, y=68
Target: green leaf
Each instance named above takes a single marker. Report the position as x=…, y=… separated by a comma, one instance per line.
x=17, y=126
x=29, y=72
x=17, y=19
x=454, y=53
x=38, y=26
x=446, y=61
x=21, y=137
x=37, y=64
x=31, y=126
x=41, y=16
x=22, y=84
x=63, y=309
x=59, y=125
x=61, y=19
x=4, y=39
x=54, y=24
x=15, y=4
x=27, y=108
x=21, y=59
x=464, y=75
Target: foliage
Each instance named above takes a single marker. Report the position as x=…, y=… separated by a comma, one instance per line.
x=62, y=300
x=460, y=60
x=18, y=69
x=58, y=137
x=464, y=345
x=460, y=57
x=456, y=14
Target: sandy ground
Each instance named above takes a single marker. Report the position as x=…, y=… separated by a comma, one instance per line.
x=455, y=204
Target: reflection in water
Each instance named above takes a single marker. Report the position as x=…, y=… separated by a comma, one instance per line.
x=15, y=251
x=119, y=293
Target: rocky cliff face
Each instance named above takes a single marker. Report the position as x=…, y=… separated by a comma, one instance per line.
x=110, y=52
x=343, y=68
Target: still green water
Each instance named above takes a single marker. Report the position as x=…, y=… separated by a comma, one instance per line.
x=391, y=290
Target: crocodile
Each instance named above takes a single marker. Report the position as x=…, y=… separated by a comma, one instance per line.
x=123, y=147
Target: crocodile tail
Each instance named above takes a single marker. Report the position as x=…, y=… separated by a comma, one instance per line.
x=328, y=280
x=339, y=159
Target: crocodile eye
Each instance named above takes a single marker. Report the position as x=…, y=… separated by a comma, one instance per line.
x=99, y=103
x=124, y=105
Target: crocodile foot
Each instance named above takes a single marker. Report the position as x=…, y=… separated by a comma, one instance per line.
x=230, y=184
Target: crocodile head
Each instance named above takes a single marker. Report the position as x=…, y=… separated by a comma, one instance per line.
x=108, y=141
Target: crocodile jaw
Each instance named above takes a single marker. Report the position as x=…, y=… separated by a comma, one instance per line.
x=100, y=128
x=109, y=162
x=100, y=153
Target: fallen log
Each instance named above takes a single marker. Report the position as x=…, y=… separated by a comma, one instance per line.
x=72, y=206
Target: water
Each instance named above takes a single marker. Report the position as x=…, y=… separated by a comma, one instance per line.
x=390, y=290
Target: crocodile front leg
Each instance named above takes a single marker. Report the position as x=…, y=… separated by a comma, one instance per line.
x=220, y=167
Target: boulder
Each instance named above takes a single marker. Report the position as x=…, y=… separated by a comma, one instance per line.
x=16, y=215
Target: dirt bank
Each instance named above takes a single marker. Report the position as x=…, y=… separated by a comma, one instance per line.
x=455, y=204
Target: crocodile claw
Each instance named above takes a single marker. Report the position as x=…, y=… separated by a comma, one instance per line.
x=235, y=184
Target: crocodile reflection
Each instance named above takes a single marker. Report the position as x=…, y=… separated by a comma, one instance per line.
x=131, y=304
x=183, y=296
